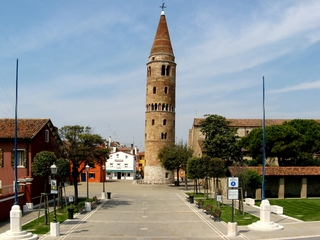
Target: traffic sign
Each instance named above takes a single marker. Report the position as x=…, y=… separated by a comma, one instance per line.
x=233, y=182
x=233, y=194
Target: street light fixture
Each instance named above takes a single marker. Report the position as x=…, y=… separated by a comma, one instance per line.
x=87, y=169
x=54, y=188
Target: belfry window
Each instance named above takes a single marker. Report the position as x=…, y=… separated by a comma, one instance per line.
x=163, y=135
x=164, y=121
x=149, y=72
x=165, y=90
x=163, y=70
x=168, y=71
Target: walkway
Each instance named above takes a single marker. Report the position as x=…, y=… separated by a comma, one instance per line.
x=144, y=212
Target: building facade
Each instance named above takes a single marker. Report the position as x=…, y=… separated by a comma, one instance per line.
x=121, y=165
x=160, y=103
x=244, y=126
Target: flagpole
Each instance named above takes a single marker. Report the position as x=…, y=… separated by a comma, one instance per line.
x=16, y=142
x=264, y=144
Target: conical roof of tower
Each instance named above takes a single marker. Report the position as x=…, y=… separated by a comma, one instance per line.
x=161, y=42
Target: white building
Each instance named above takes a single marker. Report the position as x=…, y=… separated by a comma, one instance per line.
x=121, y=165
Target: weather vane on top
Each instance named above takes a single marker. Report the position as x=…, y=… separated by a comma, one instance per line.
x=163, y=6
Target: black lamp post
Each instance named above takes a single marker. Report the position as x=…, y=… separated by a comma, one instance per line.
x=104, y=176
x=54, y=172
x=87, y=169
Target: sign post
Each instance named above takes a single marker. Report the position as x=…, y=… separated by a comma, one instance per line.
x=233, y=193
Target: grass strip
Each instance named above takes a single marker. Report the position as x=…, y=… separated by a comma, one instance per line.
x=303, y=209
x=38, y=225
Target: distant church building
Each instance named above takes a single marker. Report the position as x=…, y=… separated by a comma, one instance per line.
x=160, y=103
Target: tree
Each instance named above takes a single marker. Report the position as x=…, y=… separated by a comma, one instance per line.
x=174, y=157
x=282, y=142
x=221, y=140
x=310, y=146
x=195, y=171
x=41, y=165
x=63, y=168
x=82, y=147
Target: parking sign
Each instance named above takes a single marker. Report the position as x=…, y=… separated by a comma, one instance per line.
x=233, y=182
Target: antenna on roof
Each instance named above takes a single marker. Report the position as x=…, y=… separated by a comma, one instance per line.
x=163, y=6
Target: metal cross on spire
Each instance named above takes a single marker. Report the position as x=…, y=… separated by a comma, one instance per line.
x=163, y=6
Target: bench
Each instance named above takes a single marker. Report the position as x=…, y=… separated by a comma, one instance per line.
x=207, y=209
x=199, y=204
x=96, y=200
x=81, y=209
x=277, y=209
x=216, y=215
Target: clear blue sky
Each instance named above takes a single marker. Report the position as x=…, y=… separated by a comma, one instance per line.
x=84, y=62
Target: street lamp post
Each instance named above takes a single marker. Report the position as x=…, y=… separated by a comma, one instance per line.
x=104, y=176
x=54, y=226
x=87, y=169
x=103, y=195
x=53, y=187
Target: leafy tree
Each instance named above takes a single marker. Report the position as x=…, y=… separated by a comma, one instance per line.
x=63, y=168
x=174, y=157
x=310, y=146
x=282, y=142
x=82, y=147
x=220, y=139
x=195, y=171
x=254, y=181
x=41, y=165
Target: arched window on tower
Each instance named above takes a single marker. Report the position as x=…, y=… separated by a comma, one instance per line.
x=164, y=121
x=164, y=107
x=154, y=90
x=149, y=71
x=152, y=122
x=163, y=70
x=152, y=107
x=165, y=90
x=156, y=107
x=163, y=136
x=168, y=71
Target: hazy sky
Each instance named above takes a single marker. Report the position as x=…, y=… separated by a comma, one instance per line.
x=84, y=61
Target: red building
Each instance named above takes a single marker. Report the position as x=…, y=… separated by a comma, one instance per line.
x=34, y=136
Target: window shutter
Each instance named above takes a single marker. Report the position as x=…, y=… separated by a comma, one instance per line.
x=25, y=158
x=1, y=158
x=12, y=158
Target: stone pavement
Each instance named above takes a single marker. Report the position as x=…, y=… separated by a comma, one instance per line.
x=144, y=212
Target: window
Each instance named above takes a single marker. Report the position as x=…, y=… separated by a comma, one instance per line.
x=126, y=165
x=21, y=158
x=1, y=158
x=152, y=122
x=126, y=156
x=111, y=164
x=46, y=136
x=164, y=121
x=165, y=90
x=154, y=90
x=118, y=165
x=163, y=70
x=92, y=175
x=110, y=156
x=117, y=154
x=163, y=136
x=168, y=71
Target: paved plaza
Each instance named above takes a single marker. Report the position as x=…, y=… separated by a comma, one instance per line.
x=143, y=212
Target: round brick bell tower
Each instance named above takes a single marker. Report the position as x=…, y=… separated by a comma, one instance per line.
x=160, y=104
